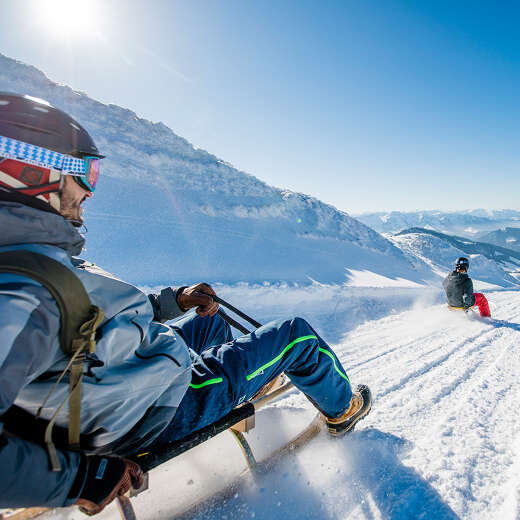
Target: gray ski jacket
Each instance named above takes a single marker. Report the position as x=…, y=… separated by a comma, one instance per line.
x=459, y=290
x=132, y=387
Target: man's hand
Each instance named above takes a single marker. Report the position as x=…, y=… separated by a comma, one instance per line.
x=107, y=478
x=198, y=296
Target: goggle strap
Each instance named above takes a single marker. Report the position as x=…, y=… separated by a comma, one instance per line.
x=40, y=189
x=38, y=156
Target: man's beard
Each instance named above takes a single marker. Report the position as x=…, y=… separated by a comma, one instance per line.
x=71, y=209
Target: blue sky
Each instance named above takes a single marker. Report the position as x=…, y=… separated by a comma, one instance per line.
x=387, y=105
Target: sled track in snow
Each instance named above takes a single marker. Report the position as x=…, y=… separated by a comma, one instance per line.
x=442, y=440
x=452, y=392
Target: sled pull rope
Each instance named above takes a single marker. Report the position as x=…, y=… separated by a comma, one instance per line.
x=232, y=322
x=238, y=312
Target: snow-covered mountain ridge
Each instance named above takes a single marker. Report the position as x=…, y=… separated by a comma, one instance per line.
x=508, y=237
x=141, y=150
x=191, y=214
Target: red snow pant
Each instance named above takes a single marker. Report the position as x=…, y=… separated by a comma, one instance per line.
x=482, y=304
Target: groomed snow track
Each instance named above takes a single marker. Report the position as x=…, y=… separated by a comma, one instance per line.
x=442, y=440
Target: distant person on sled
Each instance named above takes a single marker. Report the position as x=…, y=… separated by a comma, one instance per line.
x=143, y=382
x=459, y=290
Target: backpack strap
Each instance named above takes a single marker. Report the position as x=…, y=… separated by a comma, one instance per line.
x=79, y=320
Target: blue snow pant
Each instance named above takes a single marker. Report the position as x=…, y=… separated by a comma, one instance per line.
x=227, y=371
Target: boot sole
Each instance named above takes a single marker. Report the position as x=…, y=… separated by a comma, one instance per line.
x=341, y=429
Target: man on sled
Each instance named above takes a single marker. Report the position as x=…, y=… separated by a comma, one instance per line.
x=459, y=290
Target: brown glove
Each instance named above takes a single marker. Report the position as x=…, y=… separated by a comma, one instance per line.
x=198, y=296
x=107, y=478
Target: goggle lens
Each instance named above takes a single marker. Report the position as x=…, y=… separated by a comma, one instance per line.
x=90, y=179
x=93, y=167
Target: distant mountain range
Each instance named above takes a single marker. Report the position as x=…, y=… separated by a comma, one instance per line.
x=470, y=223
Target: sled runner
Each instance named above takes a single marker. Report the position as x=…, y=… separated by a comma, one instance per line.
x=203, y=474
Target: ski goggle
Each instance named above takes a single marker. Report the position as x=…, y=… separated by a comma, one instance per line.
x=85, y=170
x=91, y=176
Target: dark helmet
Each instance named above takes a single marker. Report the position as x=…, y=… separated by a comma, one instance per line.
x=462, y=263
x=35, y=121
x=30, y=131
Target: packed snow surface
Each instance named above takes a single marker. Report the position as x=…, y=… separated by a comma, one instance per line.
x=364, y=278
x=442, y=440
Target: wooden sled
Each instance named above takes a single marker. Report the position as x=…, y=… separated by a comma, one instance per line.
x=239, y=422
x=473, y=310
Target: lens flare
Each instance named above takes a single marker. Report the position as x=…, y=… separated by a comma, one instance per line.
x=69, y=18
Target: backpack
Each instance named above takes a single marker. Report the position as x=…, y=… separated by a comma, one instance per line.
x=79, y=320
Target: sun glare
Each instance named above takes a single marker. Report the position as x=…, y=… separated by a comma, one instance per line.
x=70, y=18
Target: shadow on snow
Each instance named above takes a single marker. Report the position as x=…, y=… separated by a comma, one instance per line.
x=340, y=478
x=398, y=491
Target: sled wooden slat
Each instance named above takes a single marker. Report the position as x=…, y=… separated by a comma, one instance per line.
x=152, y=458
x=23, y=514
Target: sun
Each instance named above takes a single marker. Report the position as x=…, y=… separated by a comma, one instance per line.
x=70, y=18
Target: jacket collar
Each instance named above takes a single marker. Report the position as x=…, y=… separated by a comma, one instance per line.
x=21, y=224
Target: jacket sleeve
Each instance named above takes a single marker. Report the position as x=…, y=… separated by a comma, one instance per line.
x=26, y=479
x=468, y=298
x=29, y=324
x=165, y=306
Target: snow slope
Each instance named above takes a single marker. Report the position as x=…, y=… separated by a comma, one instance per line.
x=180, y=203
x=442, y=440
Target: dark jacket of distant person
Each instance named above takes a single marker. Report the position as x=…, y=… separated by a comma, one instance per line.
x=459, y=290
